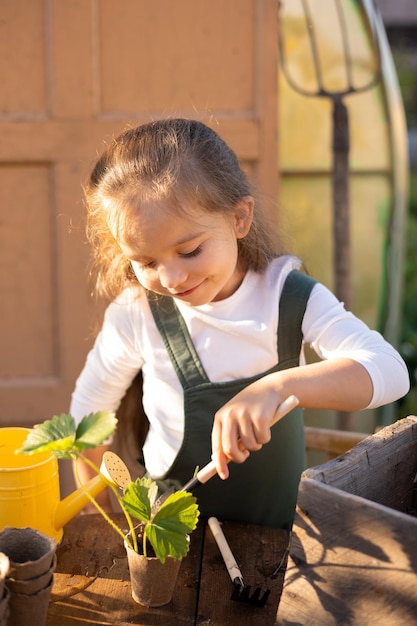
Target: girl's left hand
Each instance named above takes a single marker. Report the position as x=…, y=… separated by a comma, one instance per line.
x=243, y=425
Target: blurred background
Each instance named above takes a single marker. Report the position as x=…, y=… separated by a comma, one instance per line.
x=346, y=106
x=319, y=101
x=401, y=27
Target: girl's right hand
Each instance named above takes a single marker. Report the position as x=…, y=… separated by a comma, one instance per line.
x=243, y=424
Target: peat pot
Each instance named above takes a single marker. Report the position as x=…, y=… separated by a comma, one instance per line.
x=153, y=582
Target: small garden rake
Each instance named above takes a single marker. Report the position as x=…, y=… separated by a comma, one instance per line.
x=241, y=592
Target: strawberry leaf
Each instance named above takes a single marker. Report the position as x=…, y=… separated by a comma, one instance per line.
x=60, y=435
x=168, y=533
x=94, y=429
x=56, y=435
x=139, y=498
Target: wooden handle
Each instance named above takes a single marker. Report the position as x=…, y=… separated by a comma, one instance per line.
x=209, y=470
x=229, y=559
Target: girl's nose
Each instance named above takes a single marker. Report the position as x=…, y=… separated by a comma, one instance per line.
x=171, y=276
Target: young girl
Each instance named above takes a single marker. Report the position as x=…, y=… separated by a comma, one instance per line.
x=215, y=318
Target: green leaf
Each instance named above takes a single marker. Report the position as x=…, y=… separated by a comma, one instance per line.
x=60, y=436
x=175, y=520
x=94, y=429
x=168, y=530
x=139, y=498
x=56, y=435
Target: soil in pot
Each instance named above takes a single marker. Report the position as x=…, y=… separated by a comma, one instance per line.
x=30, y=552
x=30, y=576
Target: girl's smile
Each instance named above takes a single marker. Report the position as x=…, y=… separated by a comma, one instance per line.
x=191, y=254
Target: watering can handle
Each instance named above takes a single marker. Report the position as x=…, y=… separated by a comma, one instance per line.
x=209, y=470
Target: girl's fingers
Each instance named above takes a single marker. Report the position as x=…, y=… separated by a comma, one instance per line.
x=254, y=436
x=218, y=456
x=220, y=461
x=228, y=445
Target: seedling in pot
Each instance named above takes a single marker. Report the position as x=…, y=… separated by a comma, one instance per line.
x=166, y=529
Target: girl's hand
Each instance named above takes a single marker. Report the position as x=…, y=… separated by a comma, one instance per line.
x=243, y=425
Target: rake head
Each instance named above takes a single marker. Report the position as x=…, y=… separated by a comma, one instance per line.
x=242, y=594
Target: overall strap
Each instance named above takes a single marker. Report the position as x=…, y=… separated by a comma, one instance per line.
x=181, y=350
x=292, y=306
x=177, y=341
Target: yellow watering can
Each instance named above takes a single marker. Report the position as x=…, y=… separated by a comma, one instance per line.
x=29, y=486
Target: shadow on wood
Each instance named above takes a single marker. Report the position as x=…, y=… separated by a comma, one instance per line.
x=353, y=557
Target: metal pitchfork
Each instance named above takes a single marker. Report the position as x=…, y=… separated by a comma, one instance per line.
x=241, y=592
x=303, y=23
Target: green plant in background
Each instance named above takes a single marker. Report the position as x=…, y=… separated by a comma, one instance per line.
x=165, y=527
x=409, y=323
x=403, y=53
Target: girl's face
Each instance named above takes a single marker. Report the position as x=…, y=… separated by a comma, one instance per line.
x=192, y=256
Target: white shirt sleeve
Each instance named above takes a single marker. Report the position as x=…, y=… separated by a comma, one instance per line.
x=333, y=332
x=111, y=365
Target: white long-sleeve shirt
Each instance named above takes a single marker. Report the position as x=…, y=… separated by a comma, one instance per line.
x=234, y=338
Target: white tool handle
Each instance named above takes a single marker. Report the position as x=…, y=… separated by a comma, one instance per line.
x=209, y=470
x=229, y=559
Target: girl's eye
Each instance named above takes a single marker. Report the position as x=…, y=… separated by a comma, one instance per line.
x=142, y=266
x=149, y=265
x=194, y=252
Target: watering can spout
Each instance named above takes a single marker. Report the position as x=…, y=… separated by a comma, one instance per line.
x=112, y=472
x=71, y=505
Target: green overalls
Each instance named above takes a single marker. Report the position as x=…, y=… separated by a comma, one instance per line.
x=263, y=489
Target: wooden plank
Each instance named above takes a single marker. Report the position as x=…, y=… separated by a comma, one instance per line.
x=81, y=140
x=262, y=561
x=352, y=562
x=380, y=468
x=92, y=583
x=334, y=442
x=71, y=56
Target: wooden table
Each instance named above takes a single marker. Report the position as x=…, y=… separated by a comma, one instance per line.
x=335, y=574
x=92, y=585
